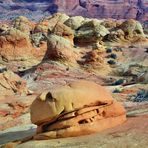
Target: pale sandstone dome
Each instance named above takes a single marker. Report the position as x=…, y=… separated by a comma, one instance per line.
x=49, y=23
x=64, y=31
x=91, y=32
x=129, y=31
x=74, y=22
x=23, y=24
x=15, y=45
x=61, y=37
x=68, y=98
x=80, y=108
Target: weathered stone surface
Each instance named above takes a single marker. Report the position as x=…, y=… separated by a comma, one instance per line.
x=50, y=22
x=23, y=24
x=94, y=56
x=110, y=23
x=42, y=27
x=130, y=31
x=67, y=99
x=75, y=22
x=115, y=36
x=15, y=45
x=59, y=48
x=90, y=32
x=69, y=111
x=11, y=84
x=62, y=30
x=4, y=28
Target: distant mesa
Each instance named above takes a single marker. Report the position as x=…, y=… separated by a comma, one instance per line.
x=117, y=9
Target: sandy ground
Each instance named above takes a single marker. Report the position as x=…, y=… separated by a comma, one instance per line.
x=132, y=134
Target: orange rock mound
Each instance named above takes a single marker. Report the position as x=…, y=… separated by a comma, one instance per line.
x=79, y=108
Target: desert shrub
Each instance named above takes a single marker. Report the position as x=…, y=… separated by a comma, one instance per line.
x=113, y=56
x=108, y=50
x=119, y=82
x=141, y=96
x=111, y=62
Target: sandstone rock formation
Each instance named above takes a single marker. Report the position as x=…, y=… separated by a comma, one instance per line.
x=70, y=111
x=60, y=37
x=90, y=32
x=63, y=31
x=59, y=48
x=111, y=23
x=19, y=45
x=23, y=24
x=15, y=45
x=131, y=28
x=129, y=31
x=50, y=22
x=11, y=84
x=75, y=22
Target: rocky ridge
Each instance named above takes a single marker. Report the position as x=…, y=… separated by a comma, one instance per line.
x=117, y=9
x=60, y=49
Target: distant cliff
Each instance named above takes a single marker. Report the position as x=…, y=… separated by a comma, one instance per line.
x=118, y=9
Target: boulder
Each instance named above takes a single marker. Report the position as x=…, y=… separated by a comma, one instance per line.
x=4, y=28
x=90, y=32
x=115, y=36
x=49, y=23
x=110, y=23
x=130, y=31
x=59, y=48
x=38, y=38
x=15, y=45
x=70, y=111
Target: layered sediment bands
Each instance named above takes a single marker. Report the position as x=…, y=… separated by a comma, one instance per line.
x=118, y=9
x=69, y=111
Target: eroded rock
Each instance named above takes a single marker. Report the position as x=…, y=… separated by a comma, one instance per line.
x=11, y=84
x=69, y=111
x=15, y=45
x=90, y=32
x=59, y=48
x=75, y=22
x=23, y=24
